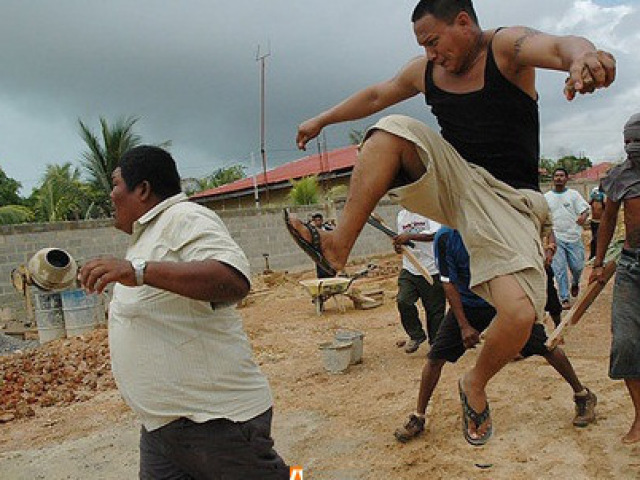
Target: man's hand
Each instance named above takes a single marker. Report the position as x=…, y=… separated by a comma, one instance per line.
x=96, y=274
x=308, y=131
x=588, y=72
x=597, y=275
x=400, y=240
x=548, y=256
x=470, y=336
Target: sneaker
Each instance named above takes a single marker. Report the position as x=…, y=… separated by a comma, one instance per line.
x=412, y=345
x=585, y=409
x=411, y=429
x=566, y=305
x=575, y=290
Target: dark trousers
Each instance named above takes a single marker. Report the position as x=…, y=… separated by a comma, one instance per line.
x=215, y=450
x=553, y=305
x=594, y=238
x=410, y=288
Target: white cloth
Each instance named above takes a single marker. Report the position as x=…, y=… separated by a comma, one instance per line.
x=174, y=356
x=409, y=222
x=565, y=208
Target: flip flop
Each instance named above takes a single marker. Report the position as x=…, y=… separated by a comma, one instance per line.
x=312, y=249
x=470, y=415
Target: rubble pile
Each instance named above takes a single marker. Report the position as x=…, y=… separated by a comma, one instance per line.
x=58, y=373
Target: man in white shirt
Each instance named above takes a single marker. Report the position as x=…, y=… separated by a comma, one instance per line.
x=570, y=212
x=179, y=355
x=412, y=284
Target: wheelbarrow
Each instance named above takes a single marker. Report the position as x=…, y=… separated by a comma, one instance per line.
x=322, y=289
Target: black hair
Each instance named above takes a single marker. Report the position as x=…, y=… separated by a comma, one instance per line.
x=316, y=215
x=154, y=165
x=446, y=10
x=561, y=169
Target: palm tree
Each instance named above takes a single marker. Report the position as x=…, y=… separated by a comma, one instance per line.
x=102, y=159
x=103, y=154
x=62, y=196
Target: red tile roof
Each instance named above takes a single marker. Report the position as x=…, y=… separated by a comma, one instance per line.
x=340, y=159
x=594, y=173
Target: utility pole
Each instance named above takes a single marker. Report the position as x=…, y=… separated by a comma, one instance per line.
x=256, y=197
x=263, y=152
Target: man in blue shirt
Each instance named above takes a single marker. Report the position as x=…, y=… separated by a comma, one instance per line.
x=467, y=317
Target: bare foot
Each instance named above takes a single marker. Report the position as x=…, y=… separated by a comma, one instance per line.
x=633, y=436
x=326, y=242
x=477, y=399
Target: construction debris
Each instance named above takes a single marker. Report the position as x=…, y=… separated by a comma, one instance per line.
x=61, y=372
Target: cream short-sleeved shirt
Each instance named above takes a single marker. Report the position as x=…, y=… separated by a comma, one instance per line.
x=173, y=356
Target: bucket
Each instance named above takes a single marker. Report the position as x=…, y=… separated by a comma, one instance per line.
x=81, y=311
x=336, y=356
x=354, y=337
x=49, y=316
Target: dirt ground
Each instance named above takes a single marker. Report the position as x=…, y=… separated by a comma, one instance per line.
x=340, y=426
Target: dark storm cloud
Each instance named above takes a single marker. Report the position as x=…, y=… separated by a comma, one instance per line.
x=188, y=69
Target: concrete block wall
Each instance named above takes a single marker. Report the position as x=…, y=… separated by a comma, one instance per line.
x=82, y=240
x=256, y=231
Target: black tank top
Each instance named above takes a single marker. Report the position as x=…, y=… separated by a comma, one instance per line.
x=496, y=127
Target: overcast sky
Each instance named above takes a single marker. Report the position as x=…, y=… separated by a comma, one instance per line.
x=188, y=69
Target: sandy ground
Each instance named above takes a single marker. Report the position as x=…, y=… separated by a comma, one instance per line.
x=340, y=426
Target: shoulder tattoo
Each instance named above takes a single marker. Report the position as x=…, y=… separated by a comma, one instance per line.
x=528, y=33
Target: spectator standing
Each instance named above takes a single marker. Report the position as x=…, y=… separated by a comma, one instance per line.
x=411, y=283
x=570, y=212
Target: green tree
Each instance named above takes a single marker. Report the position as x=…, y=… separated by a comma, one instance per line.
x=10, y=214
x=219, y=177
x=574, y=164
x=62, y=195
x=305, y=191
x=547, y=166
x=103, y=154
x=9, y=190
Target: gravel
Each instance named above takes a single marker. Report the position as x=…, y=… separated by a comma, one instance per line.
x=9, y=344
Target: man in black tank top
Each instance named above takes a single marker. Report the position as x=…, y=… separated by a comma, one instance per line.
x=479, y=176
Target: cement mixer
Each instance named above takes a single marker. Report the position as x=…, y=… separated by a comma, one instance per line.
x=48, y=283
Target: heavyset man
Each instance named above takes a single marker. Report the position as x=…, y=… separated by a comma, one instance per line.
x=179, y=355
x=480, y=176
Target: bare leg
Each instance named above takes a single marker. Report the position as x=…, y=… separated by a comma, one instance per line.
x=504, y=339
x=385, y=160
x=633, y=435
x=559, y=361
x=428, y=383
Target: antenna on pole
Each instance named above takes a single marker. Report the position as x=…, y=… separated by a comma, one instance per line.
x=261, y=58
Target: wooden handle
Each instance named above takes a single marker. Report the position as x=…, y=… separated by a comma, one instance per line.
x=409, y=254
x=584, y=301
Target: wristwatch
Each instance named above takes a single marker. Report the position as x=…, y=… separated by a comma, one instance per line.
x=139, y=266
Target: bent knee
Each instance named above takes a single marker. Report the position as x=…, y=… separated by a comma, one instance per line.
x=520, y=312
x=377, y=138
